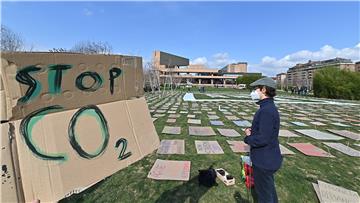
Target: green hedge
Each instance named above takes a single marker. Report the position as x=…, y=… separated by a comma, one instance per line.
x=337, y=84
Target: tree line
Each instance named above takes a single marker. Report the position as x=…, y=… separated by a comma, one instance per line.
x=14, y=42
x=334, y=83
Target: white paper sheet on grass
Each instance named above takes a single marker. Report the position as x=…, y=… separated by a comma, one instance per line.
x=160, y=111
x=284, y=123
x=343, y=148
x=171, y=130
x=171, y=147
x=228, y=132
x=310, y=149
x=189, y=97
x=174, y=116
x=340, y=124
x=158, y=115
x=217, y=123
x=318, y=123
x=213, y=117
x=232, y=118
x=170, y=170
x=285, y=151
x=287, y=133
x=194, y=121
x=346, y=133
x=316, y=134
x=201, y=131
x=317, y=191
x=171, y=120
x=208, y=147
x=216, y=96
x=242, y=123
x=299, y=124
x=238, y=146
x=333, y=194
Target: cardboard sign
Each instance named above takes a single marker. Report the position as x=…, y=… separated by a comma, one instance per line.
x=66, y=136
x=10, y=190
x=35, y=80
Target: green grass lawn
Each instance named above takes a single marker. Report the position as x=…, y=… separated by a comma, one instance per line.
x=293, y=180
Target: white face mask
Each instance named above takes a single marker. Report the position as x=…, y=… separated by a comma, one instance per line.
x=255, y=95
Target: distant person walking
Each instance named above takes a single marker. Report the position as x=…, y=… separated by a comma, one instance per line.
x=263, y=140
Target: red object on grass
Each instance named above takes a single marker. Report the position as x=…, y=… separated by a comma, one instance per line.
x=249, y=178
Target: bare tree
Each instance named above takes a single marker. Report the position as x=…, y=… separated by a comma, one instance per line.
x=89, y=47
x=10, y=41
x=151, y=78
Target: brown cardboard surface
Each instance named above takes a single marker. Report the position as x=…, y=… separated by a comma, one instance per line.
x=52, y=180
x=126, y=86
x=3, y=113
x=10, y=188
x=6, y=100
x=74, y=138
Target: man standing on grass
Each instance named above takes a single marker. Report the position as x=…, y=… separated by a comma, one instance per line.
x=263, y=140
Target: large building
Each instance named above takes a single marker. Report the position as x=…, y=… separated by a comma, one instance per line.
x=240, y=67
x=178, y=70
x=357, y=66
x=281, y=80
x=302, y=75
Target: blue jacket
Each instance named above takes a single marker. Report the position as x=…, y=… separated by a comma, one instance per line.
x=263, y=141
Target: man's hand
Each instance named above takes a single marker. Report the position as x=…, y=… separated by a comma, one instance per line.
x=247, y=131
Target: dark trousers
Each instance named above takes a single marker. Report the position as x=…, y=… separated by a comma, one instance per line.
x=264, y=185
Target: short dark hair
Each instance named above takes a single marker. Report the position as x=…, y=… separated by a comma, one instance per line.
x=270, y=92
